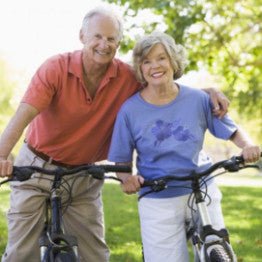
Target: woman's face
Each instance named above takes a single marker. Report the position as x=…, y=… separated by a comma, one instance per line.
x=156, y=67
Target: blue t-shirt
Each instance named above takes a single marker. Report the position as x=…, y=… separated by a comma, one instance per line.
x=168, y=138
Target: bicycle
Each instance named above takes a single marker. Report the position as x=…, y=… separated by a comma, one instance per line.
x=55, y=245
x=209, y=245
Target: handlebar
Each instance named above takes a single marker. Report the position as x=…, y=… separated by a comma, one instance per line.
x=23, y=173
x=231, y=165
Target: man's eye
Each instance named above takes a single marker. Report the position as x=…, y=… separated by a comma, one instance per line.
x=98, y=36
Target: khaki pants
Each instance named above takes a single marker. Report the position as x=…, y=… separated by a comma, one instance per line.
x=84, y=216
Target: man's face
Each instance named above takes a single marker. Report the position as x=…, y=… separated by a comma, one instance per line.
x=101, y=41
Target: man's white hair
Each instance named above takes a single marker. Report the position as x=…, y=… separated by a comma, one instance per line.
x=105, y=12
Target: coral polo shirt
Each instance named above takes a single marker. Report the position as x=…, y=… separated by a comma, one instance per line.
x=72, y=127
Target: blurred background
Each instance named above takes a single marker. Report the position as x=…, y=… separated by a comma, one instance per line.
x=223, y=40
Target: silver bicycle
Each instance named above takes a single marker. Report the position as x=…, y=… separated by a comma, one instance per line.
x=209, y=245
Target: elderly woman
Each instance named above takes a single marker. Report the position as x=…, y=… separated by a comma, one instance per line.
x=166, y=122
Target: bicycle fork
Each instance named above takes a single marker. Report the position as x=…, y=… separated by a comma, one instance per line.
x=204, y=240
x=52, y=237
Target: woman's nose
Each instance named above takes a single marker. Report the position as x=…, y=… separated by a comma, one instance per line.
x=154, y=64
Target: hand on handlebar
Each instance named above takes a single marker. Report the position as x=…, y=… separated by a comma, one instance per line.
x=251, y=153
x=132, y=184
x=6, y=168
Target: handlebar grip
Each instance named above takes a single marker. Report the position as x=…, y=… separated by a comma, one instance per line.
x=147, y=183
x=118, y=169
x=21, y=173
x=98, y=171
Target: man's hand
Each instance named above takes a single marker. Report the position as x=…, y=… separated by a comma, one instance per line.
x=219, y=100
x=6, y=168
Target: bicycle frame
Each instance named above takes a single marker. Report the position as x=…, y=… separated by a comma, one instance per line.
x=55, y=245
x=53, y=240
x=209, y=244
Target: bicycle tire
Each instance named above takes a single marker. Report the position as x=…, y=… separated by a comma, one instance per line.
x=65, y=257
x=219, y=254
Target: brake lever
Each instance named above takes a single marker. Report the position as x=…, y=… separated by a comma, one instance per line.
x=158, y=185
x=233, y=164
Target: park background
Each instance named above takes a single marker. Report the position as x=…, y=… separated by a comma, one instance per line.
x=223, y=40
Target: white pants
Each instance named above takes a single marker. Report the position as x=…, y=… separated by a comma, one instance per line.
x=163, y=226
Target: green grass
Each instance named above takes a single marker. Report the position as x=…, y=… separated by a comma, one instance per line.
x=242, y=207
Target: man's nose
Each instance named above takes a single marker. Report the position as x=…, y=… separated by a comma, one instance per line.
x=104, y=42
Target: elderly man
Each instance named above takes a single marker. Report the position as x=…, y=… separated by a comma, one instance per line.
x=70, y=108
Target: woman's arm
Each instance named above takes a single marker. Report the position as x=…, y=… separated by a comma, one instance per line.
x=250, y=152
x=131, y=183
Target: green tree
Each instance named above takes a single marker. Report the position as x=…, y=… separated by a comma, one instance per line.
x=222, y=36
x=6, y=91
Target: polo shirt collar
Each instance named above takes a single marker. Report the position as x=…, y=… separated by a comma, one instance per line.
x=75, y=66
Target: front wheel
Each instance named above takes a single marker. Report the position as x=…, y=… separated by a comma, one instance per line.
x=219, y=254
x=65, y=257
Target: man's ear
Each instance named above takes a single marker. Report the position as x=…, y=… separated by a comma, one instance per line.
x=118, y=44
x=81, y=36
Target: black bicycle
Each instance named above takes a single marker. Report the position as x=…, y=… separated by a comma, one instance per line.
x=55, y=244
x=209, y=245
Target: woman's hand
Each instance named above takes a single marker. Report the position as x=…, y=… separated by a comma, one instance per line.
x=132, y=184
x=251, y=153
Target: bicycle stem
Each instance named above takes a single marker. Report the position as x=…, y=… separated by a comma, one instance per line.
x=205, y=218
x=56, y=211
x=200, y=203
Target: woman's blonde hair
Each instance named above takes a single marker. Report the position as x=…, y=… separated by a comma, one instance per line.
x=176, y=53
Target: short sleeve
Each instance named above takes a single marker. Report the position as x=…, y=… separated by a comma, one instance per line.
x=43, y=85
x=220, y=128
x=122, y=143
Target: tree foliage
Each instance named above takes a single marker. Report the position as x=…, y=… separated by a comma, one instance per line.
x=222, y=36
x=6, y=91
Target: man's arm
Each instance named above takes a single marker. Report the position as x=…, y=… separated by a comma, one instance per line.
x=219, y=100
x=23, y=116
x=131, y=183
